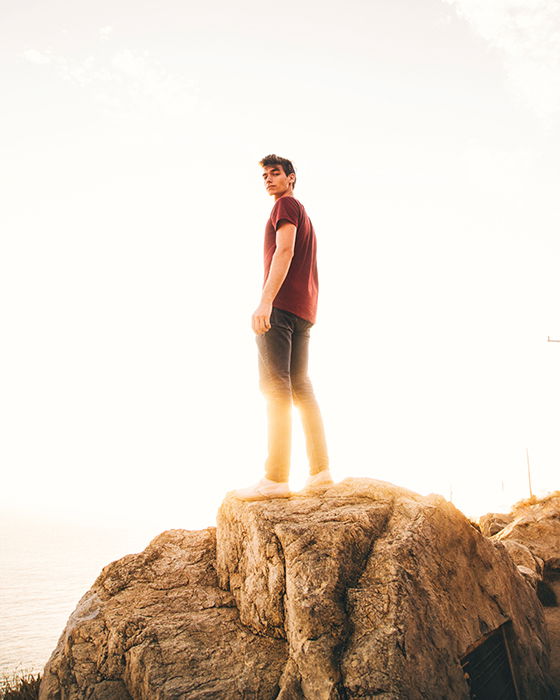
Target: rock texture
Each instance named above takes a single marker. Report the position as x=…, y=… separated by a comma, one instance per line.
x=156, y=626
x=531, y=535
x=537, y=527
x=366, y=591
x=492, y=523
x=528, y=565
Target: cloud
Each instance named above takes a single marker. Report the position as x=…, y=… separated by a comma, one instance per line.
x=123, y=82
x=105, y=33
x=527, y=35
x=130, y=63
x=37, y=57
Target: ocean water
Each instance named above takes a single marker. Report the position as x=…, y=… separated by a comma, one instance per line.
x=45, y=568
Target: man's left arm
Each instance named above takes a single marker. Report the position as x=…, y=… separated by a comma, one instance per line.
x=279, y=266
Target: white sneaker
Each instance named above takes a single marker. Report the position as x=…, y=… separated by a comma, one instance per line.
x=319, y=482
x=266, y=488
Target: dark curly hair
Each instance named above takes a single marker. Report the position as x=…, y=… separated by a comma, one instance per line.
x=273, y=159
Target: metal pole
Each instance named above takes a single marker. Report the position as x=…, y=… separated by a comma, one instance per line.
x=529, y=473
x=552, y=340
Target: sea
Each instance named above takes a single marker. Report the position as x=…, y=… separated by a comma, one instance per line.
x=46, y=566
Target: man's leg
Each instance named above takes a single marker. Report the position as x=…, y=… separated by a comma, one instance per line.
x=275, y=347
x=305, y=400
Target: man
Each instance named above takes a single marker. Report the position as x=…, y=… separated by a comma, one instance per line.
x=281, y=322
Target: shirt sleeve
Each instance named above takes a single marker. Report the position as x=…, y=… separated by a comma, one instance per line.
x=285, y=209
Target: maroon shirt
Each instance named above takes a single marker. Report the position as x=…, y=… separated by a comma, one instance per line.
x=300, y=289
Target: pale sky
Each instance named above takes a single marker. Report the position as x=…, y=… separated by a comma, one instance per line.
x=425, y=134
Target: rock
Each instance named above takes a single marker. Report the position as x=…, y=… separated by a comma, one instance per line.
x=379, y=592
x=552, y=615
x=156, y=626
x=492, y=523
x=523, y=557
x=531, y=577
x=289, y=566
x=537, y=527
x=365, y=591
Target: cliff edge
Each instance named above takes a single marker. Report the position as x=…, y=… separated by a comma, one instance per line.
x=367, y=590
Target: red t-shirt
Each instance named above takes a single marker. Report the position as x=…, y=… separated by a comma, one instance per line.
x=300, y=289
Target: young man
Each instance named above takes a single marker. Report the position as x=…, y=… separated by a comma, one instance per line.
x=281, y=323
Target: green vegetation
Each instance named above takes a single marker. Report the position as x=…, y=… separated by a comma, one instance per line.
x=23, y=687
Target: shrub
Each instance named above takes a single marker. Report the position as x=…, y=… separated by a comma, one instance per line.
x=25, y=687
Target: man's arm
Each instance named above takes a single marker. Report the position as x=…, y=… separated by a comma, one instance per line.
x=279, y=266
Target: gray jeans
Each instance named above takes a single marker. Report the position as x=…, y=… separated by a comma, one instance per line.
x=283, y=378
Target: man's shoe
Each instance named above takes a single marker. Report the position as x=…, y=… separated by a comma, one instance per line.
x=266, y=488
x=318, y=482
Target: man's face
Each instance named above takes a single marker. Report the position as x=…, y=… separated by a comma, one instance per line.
x=276, y=181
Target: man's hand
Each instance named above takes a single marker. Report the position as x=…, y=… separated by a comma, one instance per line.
x=260, y=320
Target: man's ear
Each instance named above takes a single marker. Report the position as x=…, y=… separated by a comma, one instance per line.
x=292, y=178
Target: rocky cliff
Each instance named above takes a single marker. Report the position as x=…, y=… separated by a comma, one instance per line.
x=366, y=591
x=537, y=526
x=531, y=535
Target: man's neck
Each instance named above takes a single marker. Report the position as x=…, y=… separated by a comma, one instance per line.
x=287, y=193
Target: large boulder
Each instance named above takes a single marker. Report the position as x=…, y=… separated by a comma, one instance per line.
x=156, y=626
x=366, y=591
x=537, y=527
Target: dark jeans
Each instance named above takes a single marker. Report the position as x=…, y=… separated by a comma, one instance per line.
x=283, y=378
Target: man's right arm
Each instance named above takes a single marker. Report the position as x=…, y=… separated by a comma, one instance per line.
x=279, y=266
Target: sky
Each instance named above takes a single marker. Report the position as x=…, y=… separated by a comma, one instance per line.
x=425, y=135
